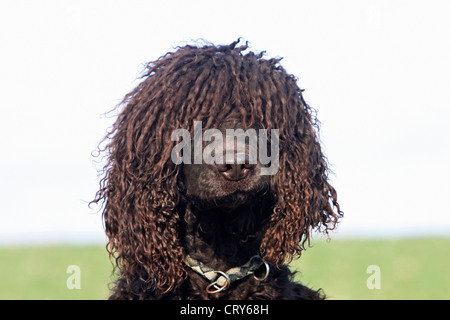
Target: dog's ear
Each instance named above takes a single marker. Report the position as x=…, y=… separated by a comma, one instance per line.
x=305, y=200
x=140, y=198
x=141, y=222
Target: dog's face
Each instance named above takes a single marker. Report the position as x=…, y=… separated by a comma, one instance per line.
x=234, y=176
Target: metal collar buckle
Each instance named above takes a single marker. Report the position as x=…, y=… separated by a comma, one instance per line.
x=217, y=288
x=266, y=274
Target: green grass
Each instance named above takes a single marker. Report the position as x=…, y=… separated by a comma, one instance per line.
x=41, y=272
x=410, y=269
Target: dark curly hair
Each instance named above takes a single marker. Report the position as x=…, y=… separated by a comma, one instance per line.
x=139, y=190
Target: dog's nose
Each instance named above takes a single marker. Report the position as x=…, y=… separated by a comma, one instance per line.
x=237, y=169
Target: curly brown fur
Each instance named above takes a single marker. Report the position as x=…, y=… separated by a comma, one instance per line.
x=156, y=211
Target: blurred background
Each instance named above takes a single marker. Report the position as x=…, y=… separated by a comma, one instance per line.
x=378, y=73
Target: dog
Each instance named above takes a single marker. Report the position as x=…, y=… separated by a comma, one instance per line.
x=212, y=217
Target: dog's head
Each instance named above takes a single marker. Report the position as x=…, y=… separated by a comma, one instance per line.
x=149, y=173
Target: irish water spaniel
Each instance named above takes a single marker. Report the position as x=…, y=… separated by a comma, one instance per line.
x=225, y=229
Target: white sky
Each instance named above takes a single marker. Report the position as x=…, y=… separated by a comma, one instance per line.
x=378, y=72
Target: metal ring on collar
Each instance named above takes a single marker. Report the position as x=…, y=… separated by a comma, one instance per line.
x=217, y=288
x=266, y=274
